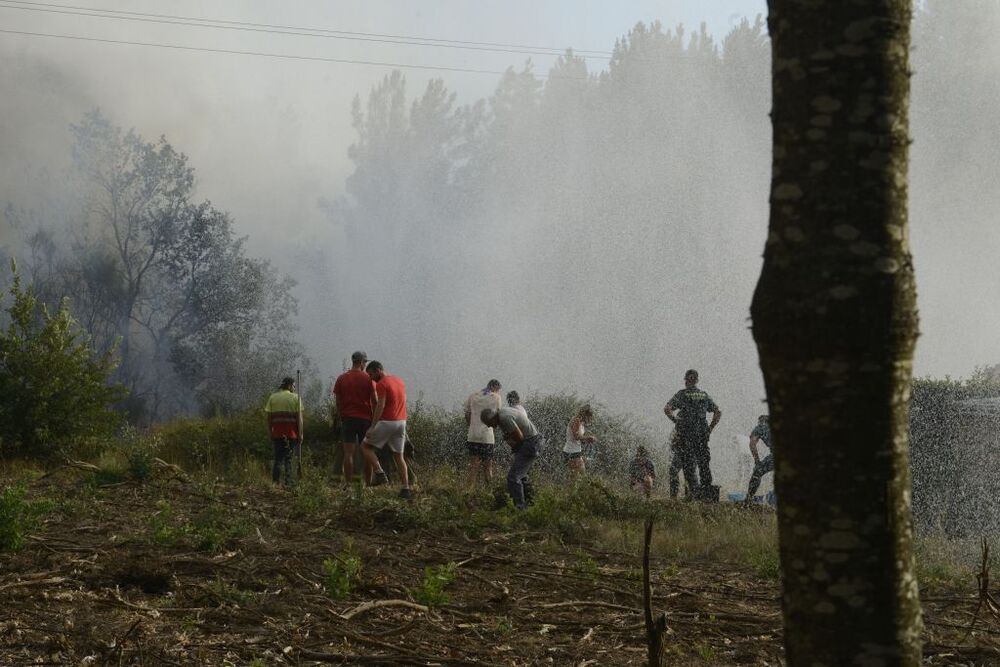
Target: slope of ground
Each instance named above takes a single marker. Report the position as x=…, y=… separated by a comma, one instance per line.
x=181, y=571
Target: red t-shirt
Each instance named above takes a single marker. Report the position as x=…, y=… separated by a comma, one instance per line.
x=353, y=390
x=395, y=397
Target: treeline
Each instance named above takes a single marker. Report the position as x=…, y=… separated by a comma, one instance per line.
x=570, y=211
x=620, y=215
x=158, y=280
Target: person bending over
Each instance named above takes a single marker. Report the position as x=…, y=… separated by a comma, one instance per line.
x=524, y=440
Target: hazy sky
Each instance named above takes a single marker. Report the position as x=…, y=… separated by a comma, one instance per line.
x=269, y=137
x=285, y=122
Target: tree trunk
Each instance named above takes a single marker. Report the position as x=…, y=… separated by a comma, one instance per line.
x=834, y=318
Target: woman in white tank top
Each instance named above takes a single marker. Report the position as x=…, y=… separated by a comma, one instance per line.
x=576, y=436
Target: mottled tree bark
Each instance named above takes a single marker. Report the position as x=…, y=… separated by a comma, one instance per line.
x=834, y=318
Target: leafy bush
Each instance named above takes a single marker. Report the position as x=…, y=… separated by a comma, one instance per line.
x=436, y=579
x=18, y=516
x=56, y=392
x=213, y=443
x=439, y=436
x=211, y=530
x=139, y=449
x=341, y=572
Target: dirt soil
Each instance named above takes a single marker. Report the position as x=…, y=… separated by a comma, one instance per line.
x=93, y=586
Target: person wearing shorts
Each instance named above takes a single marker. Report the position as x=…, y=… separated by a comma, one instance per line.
x=641, y=472
x=354, y=393
x=388, y=427
x=576, y=437
x=480, y=439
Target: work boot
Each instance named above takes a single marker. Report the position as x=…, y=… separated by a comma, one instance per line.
x=406, y=494
x=379, y=478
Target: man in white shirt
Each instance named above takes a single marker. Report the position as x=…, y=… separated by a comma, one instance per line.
x=481, y=439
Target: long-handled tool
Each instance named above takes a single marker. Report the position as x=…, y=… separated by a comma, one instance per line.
x=298, y=378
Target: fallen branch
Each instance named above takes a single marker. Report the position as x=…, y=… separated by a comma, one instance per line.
x=398, y=659
x=365, y=607
x=588, y=603
x=33, y=582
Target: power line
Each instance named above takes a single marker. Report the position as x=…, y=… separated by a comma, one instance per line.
x=264, y=54
x=300, y=31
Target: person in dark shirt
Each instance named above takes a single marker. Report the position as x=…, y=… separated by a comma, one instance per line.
x=691, y=405
x=760, y=468
x=641, y=472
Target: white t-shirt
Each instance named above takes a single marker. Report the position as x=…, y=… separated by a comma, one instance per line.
x=474, y=405
x=574, y=446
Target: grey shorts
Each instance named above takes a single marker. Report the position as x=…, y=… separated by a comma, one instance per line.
x=392, y=433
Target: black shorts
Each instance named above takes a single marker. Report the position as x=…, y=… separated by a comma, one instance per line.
x=483, y=450
x=353, y=429
x=571, y=456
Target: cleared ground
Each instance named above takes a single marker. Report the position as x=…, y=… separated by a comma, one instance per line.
x=184, y=571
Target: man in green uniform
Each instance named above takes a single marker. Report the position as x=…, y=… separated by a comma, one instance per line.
x=693, y=433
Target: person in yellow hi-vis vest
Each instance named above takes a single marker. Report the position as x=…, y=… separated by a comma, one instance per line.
x=284, y=426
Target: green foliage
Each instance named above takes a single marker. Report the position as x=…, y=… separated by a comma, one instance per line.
x=310, y=496
x=163, y=529
x=763, y=558
x=436, y=579
x=225, y=591
x=210, y=530
x=215, y=443
x=213, y=528
x=342, y=572
x=18, y=516
x=139, y=449
x=55, y=389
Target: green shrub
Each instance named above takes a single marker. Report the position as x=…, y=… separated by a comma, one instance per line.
x=214, y=443
x=55, y=390
x=139, y=449
x=163, y=530
x=341, y=572
x=310, y=496
x=19, y=516
x=436, y=579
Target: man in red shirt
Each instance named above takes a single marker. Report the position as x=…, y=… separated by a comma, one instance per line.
x=354, y=392
x=388, y=426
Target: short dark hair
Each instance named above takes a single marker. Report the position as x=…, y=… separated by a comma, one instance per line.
x=494, y=385
x=288, y=383
x=762, y=419
x=691, y=373
x=374, y=366
x=487, y=415
x=359, y=357
x=513, y=398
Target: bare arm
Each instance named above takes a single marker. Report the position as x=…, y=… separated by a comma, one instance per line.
x=379, y=407
x=468, y=411
x=668, y=410
x=716, y=416
x=515, y=435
